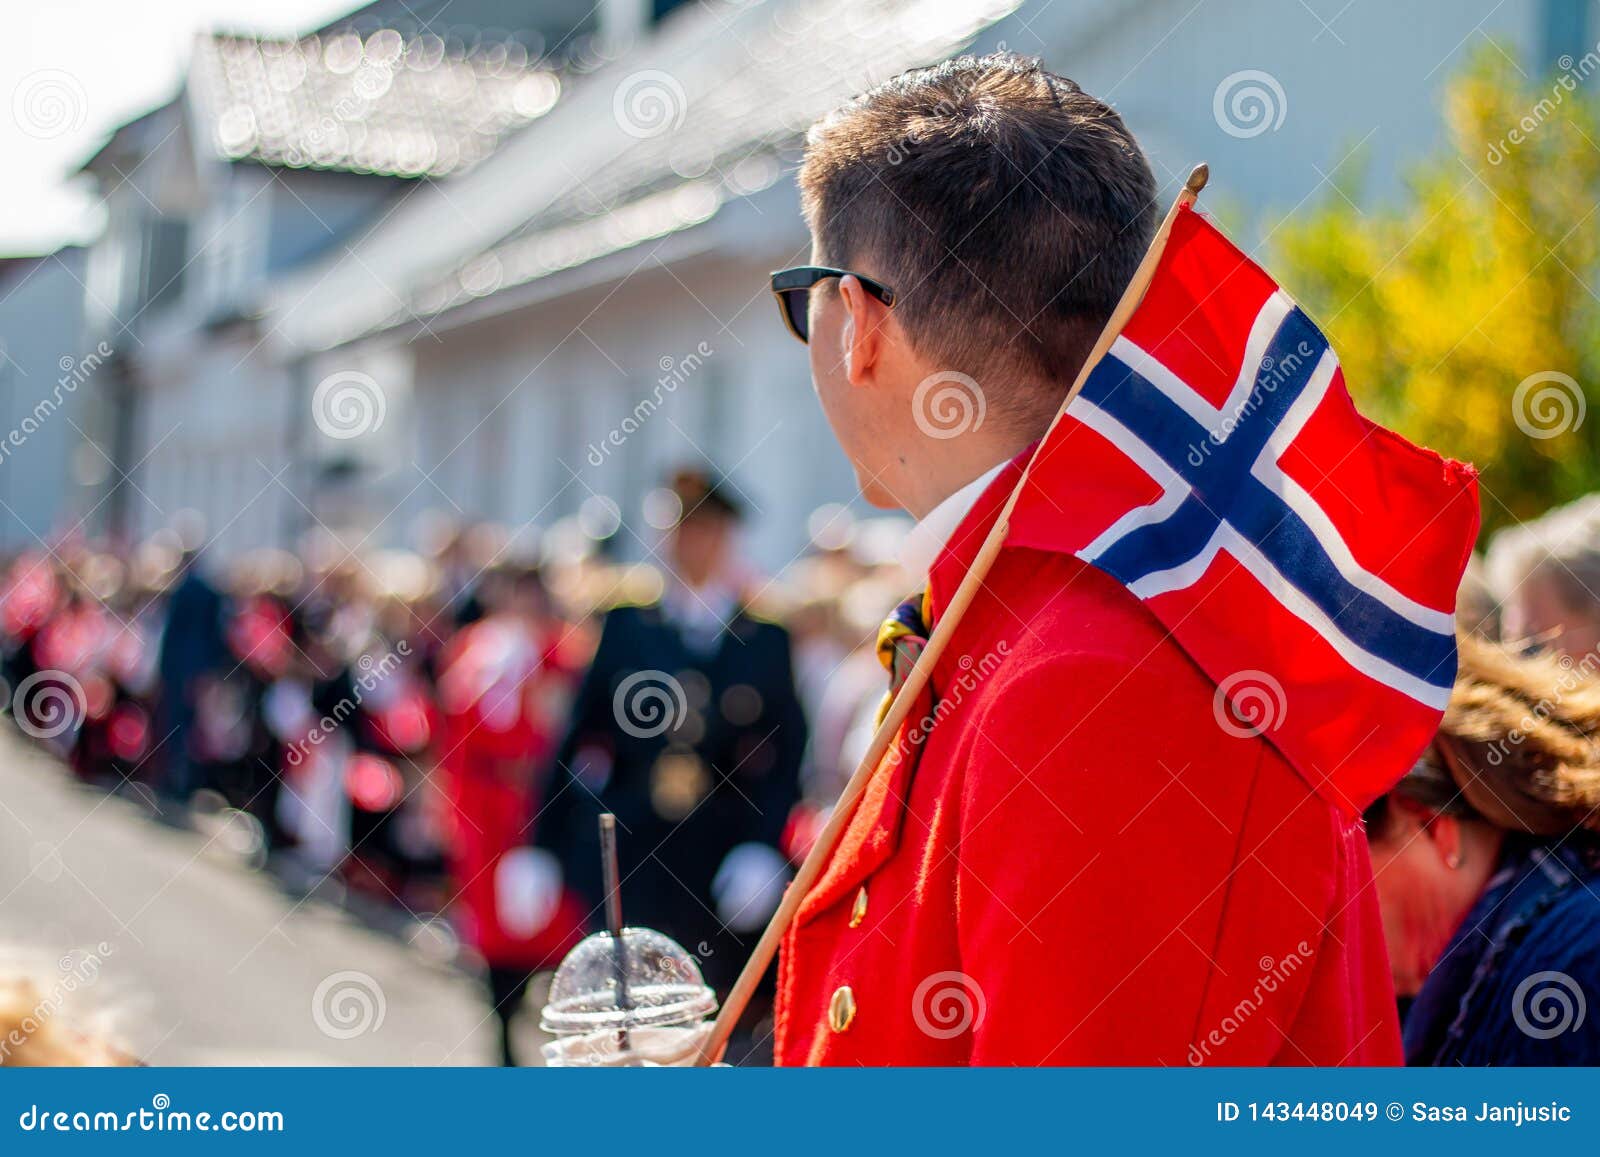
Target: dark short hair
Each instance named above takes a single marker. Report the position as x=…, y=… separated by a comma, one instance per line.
x=701, y=495
x=1006, y=207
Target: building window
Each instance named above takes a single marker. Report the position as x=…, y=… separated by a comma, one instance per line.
x=166, y=255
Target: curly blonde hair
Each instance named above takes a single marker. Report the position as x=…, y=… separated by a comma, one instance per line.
x=1520, y=742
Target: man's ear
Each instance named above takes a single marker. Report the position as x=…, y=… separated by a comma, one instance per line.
x=862, y=334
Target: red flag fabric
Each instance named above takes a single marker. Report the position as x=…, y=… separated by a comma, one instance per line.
x=1305, y=558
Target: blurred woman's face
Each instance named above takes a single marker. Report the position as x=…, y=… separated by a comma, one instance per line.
x=1538, y=611
x=1429, y=870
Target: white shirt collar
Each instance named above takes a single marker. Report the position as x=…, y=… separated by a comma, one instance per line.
x=928, y=537
x=700, y=615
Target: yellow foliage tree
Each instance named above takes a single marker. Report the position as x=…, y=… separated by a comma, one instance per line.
x=1466, y=316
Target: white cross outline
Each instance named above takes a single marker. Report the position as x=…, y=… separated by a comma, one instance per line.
x=1220, y=422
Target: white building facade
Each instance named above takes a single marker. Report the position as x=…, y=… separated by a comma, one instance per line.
x=587, y=307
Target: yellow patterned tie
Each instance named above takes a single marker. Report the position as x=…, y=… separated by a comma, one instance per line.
x=901, y=641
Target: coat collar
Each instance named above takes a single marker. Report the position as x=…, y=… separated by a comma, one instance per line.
x=928, y=537
x=951, y=564
x=873, y=833
x=1048, y=516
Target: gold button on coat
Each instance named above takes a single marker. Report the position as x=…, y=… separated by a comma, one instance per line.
x=858, y=910
x=842, y=1008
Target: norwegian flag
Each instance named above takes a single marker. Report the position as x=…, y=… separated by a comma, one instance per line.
x=1306, y=559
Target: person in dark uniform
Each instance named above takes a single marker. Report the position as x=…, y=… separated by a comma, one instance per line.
x=193, y=646
x=688, y=728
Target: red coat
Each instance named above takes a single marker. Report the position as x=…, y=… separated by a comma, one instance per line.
x=1078, y=865
x=497, y=687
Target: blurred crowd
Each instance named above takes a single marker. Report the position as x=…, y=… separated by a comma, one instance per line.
x=437, y=730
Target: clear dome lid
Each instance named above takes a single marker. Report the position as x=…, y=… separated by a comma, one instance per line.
x=664, y=985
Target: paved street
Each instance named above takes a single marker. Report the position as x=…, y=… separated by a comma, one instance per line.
x=201, y=960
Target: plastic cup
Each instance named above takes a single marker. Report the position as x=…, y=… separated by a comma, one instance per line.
x=663, y=1022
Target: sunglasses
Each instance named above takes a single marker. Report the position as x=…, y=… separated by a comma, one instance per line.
x=792, y=288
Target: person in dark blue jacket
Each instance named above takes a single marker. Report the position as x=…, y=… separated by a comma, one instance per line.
x=1487, y=864
x=193, y=646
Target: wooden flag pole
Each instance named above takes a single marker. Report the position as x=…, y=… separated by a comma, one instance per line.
x=817, y=859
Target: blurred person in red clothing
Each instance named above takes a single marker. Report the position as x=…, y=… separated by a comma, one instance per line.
x=504, y=684
x=115, y=669
x=32, y=592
